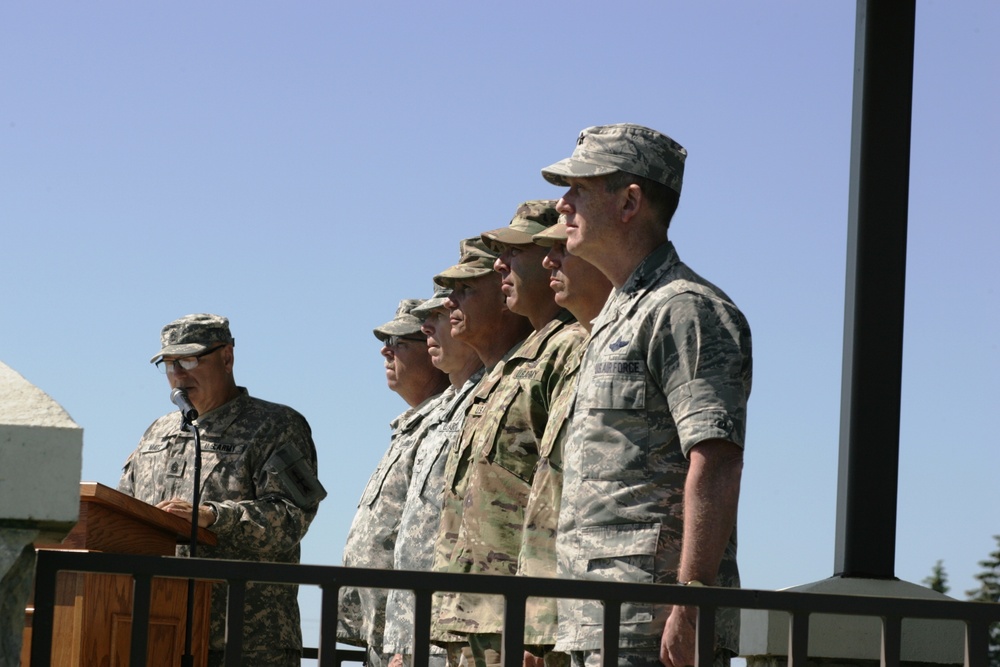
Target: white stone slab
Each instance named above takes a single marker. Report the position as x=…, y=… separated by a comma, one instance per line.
x=41, y=450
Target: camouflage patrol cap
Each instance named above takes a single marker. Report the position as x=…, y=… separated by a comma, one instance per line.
x=437, y=301
x=405, y=323
x=634, y=149
x=193, y=334
x=553, y=235
x=531, y=217
x=476, y=261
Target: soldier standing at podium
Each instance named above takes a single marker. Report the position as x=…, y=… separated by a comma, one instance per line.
x=259, y=487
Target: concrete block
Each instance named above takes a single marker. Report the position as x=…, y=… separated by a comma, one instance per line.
x=852, y=638
x=41, y=454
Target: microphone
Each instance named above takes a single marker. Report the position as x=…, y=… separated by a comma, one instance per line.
x=179, y=397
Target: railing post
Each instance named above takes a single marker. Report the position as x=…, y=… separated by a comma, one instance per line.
x=704, y=651
x=612, y=628
x=234, y=622
x=798, y=639
x=45, y=606
x=977, y=641
x=328, y=625
x=141, y=596
x=513, y=628
x=892, y=641
x=422, y=604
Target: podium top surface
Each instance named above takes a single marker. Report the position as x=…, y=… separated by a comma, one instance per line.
x=114, y=522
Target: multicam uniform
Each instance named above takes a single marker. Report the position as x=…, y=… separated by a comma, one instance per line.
x=504, y=426
x=371, y=540
x=668, y=366
x=259, y=476
x=537, y=557
x=421, y=515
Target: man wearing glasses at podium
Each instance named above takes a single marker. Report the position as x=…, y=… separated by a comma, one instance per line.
x=259, y=486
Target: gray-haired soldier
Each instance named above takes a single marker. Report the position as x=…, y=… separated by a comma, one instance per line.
x=372, y=538
x=421, y=513
x=660, y=412
x=480, y=318
x=259, y=487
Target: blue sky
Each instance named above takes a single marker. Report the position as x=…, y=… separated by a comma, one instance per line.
x=300, y=167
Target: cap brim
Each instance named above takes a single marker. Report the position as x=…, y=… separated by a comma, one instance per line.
x=396, y=328
x=557, y=173
x=496, y=239
x=186, y=350
x=449, y=277
x=424, y=309
x=551, y=236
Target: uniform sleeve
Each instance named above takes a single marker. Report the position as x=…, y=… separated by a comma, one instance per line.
x=699, y=353
x=126, y=484
x=286, y=495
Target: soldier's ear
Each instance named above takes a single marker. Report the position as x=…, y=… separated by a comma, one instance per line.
x=630, y=203
x=228, y=358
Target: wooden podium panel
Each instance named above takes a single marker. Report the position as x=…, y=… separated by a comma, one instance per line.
x=93, y=614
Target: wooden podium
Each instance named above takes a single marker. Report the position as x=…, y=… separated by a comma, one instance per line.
x=93, y=612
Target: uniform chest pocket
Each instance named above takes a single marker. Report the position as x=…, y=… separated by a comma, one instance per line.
x=612, y=403
x=514, y=439
x=429, y=477
x=377, y=479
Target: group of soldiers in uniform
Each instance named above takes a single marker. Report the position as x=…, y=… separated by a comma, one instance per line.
x=577, y=408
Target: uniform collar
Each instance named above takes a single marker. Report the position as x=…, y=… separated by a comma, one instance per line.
x=216, y=421
x=648, y=274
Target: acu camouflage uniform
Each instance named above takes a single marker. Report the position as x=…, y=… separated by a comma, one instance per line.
x=504, y=428
x=668, y=366
x=537, y=557
x=421, y=514
x=372, y=537
x=259, y=476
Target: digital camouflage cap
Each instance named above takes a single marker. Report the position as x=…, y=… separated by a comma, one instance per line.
x=476, y=261
x=551, y=236
x=531, y=217
x=441, y=293
x=405, y=323
x=193, y=334
x=604, y=149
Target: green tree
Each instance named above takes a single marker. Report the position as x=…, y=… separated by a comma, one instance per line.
x=938, y=580
x=989, y=591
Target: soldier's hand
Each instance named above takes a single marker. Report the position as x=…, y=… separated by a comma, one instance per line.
x=182, y=508
x=677, y=643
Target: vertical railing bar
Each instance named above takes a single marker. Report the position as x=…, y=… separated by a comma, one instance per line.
x=45, y=607
x=512, y=640
x=422, y=605
x=141, y=597
x=892, y=640
x=234, y=622
x=977, y=639
x=612, y=628
x=798, y=639
x=329, y=603
x=704, y=646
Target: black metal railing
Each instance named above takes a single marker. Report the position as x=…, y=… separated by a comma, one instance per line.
x=977, y=617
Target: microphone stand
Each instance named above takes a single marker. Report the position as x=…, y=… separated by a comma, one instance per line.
x=187, y=424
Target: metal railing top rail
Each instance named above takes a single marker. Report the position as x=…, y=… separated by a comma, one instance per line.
x=977, y=616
